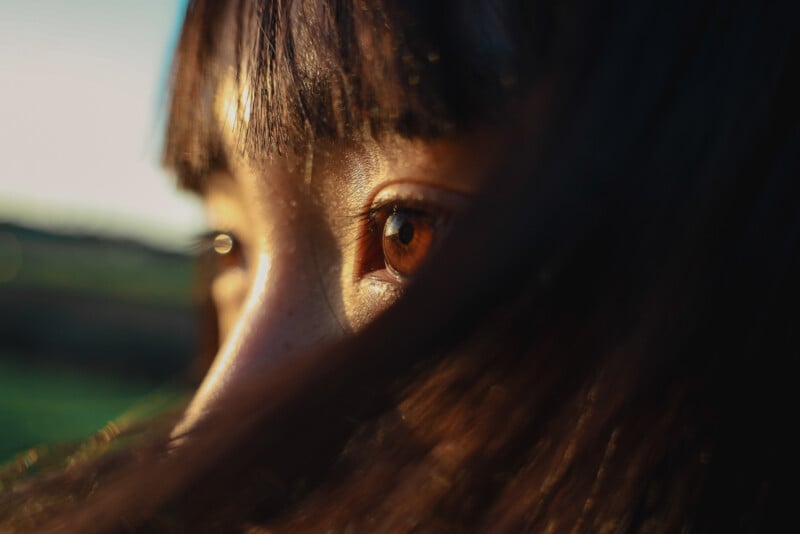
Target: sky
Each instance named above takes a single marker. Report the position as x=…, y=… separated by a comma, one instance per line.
x=82, y=103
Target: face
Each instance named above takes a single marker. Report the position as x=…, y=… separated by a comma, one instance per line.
x=312, y=248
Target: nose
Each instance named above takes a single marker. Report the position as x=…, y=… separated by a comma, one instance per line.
x=285, y=312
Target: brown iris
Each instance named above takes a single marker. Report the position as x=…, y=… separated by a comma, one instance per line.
x=407, y=238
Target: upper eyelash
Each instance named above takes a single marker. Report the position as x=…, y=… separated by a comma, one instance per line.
x=364, y=223
x=367, y=220
x=368, y=217
x=203, y=242
x=369, y=214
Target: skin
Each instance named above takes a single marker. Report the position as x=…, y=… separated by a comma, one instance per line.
x=306, y=268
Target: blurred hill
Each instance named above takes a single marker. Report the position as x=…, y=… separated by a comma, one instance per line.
x=90, y=328
x=111, y=306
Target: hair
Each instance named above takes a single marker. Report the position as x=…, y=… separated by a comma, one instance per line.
x=310, y=71
x=612, y=358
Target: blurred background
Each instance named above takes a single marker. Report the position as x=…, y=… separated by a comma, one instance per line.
x=98, y=304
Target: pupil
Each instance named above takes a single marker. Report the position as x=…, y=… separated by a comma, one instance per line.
x=406, y=233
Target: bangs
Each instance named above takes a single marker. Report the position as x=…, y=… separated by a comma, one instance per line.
x=308, y=70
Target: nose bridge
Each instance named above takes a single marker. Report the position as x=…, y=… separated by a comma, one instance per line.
x=284, y=312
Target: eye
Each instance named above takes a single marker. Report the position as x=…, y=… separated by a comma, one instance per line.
x=220, y=250
x=404, y=224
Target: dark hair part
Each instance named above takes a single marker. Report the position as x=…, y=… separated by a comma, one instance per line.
x=613, y=357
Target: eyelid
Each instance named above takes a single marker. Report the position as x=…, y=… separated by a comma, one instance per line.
x=412, y=193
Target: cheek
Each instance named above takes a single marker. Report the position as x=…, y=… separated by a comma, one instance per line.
x=229, y=291
x=366, y=300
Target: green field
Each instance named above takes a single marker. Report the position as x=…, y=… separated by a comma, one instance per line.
x=90, y=329
x=44, y=406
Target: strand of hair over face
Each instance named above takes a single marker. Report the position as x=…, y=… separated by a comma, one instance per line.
x=307, y=70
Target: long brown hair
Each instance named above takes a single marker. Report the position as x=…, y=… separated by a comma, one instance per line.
x=614, y=355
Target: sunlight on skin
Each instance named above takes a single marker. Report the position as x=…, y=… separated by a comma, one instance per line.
x=309, y=266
